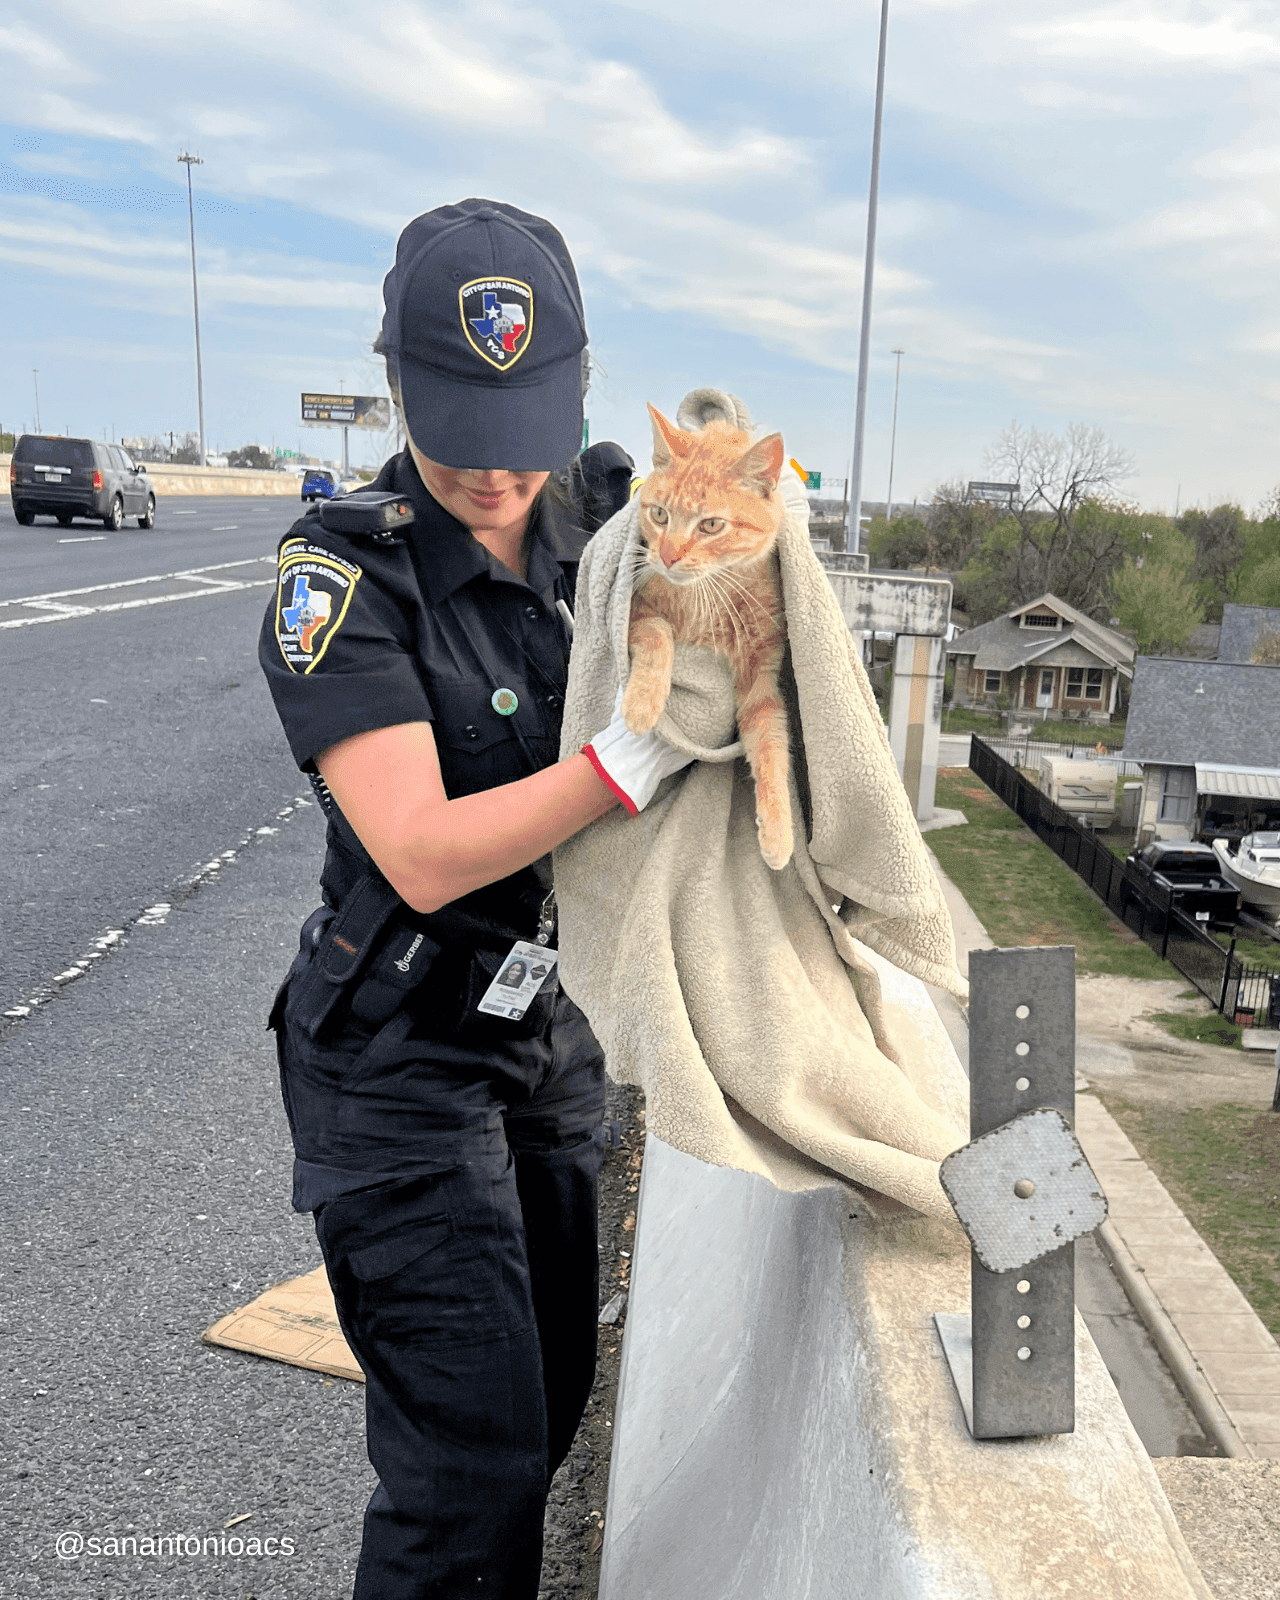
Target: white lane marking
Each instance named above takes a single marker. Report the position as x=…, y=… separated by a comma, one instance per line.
x=58, y=611
x=184, y=513
x=153, y=916
x=60, y=608
x=230, y=527
x=88, y=538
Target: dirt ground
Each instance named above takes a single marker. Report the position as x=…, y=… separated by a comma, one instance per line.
x=1120, y=1048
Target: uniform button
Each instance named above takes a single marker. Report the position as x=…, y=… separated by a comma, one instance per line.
x=553, y=700
x=531, y=612
x=471, y=731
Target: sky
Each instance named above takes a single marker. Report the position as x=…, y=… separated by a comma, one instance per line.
x=1079, y=214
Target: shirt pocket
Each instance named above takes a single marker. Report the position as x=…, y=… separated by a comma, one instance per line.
x=480, y=748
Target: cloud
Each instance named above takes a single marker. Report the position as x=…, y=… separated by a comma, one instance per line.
x=1153, y=37
x=156, y=269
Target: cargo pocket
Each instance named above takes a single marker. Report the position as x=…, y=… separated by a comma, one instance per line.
x=405, y=1272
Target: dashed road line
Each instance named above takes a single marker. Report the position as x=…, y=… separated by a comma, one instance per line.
x=52, y=607
x=84, y=538
x=153, y=916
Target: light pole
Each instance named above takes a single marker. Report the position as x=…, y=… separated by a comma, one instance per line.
x=853, y=535
x=190, y=161
x=893, y=437
x=35, y=375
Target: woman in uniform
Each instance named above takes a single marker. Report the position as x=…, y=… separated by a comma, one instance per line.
x=417, y=652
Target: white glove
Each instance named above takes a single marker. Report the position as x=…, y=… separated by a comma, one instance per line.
x=632, y=765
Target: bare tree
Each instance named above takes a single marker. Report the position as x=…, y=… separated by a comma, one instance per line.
x=1058, y=549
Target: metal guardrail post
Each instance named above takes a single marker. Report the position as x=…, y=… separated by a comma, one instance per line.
x=1024, y=1193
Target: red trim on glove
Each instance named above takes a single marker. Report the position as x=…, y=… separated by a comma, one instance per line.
x=610, y=785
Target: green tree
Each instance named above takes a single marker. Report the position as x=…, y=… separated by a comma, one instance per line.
x=1155, y=596
x=1261, y=587
x=1220, y=546
x=251, y=455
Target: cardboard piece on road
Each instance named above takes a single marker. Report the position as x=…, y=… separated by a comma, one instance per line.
x=295, y=1322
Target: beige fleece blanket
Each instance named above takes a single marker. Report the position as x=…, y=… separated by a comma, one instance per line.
x=735, y=996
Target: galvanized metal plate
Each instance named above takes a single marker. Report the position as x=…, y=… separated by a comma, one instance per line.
x=1023, y=1190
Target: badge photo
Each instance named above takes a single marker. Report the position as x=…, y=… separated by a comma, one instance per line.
x=497, y=318
x=312, y=599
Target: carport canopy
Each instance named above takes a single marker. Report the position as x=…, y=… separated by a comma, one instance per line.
x=1239, y=783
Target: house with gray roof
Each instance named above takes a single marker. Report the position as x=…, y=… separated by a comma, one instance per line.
x=1208, y=736
x=1244, y=629
x=1048, y=658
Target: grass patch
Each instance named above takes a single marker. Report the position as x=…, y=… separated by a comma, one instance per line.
x=1222, y=1165
x=1022, y=894
x=1214, y=1029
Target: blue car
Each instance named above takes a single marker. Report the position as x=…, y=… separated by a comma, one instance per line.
x=318, y=483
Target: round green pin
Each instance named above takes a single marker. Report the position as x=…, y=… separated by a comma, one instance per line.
x=505, y=702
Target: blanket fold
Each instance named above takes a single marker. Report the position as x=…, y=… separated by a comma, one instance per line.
x=739, y=998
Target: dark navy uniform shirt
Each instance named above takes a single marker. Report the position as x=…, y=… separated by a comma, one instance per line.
x=363, y=634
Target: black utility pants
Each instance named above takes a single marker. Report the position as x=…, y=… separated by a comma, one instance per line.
x=467, y=1287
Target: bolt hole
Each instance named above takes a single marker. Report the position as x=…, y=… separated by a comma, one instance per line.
x=1022, y=1286
x=1023, y=1049
x=1024, y=1352
x=1024, y=1322
x=1022, y=1084
x=1022, y=1013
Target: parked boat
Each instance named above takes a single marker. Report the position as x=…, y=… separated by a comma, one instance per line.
x=1254, y=869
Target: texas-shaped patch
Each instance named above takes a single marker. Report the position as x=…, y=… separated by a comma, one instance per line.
x=497, y=318
x=312, y=600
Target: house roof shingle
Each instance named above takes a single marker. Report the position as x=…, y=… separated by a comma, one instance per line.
x=1184, y=712
x=1001, y=645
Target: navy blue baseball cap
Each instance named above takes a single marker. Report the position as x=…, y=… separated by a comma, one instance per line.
x=485, y=333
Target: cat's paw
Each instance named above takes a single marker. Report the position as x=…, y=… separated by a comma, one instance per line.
x=776, y=842
x=641, y=706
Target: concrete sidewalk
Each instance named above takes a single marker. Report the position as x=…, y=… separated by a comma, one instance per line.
x=1223, y=1357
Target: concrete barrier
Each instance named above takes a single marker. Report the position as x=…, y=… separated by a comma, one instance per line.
x=787, y=1426
x=170, y=478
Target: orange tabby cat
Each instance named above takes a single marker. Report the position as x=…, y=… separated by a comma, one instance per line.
x=710, y=512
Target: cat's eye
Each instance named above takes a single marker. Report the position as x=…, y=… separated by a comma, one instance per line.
x=657, y=514
x=711, y=525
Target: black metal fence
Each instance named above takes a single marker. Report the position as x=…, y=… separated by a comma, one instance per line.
x=1232, y=985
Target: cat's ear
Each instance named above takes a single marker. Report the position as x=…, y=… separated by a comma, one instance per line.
x=668, y=440
x=761, y=467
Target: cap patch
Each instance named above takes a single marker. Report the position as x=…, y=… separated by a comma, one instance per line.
x=311, y=602
x=497, y=318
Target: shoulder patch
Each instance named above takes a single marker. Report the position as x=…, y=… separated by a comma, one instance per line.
x=312, y=599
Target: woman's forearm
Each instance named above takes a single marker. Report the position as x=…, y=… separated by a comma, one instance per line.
x=432, y=849
x=464, y=844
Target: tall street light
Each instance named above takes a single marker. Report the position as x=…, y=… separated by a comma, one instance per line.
x=893, y=437
x=853, y=534
x=35, y=384
x=195, y=161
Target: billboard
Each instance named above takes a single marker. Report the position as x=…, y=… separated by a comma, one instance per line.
x=346, y=411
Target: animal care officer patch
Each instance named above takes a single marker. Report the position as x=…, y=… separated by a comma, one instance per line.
x=311, y=602
x=497, y=318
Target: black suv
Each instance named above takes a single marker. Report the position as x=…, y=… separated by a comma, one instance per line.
x=64, y=478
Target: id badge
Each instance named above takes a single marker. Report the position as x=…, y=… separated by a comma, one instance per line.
x=522, y=974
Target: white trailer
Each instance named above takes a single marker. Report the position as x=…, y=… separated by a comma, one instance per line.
x=1085, y=790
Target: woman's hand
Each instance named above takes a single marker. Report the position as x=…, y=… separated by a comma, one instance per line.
x=633, y=764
